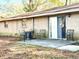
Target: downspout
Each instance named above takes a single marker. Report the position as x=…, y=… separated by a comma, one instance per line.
x=33, y=24
x=48, y=27
x=33, y=27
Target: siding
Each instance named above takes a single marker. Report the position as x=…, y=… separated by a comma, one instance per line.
x=11, y=27
x=2, y=27
x=41, y=23
x=72, y=22
x=28, y=24
x=17, y=26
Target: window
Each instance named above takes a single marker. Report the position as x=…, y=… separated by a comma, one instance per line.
x=5, y=25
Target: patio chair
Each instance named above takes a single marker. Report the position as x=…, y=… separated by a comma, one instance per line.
x=70, y=34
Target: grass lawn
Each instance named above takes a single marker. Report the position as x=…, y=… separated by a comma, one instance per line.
x=13, y=50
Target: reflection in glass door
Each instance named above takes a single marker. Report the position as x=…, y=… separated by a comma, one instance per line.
x=61, y=26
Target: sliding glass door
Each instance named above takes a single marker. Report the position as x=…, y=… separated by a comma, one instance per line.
x=57, y=27
x=53, y=27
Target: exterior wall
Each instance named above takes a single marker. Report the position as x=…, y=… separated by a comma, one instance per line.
x=72, y=22
x=18, y=26
x=41, y=27
x=41, y=23
x=28, y=24
x=11, y=28
x=2, y=27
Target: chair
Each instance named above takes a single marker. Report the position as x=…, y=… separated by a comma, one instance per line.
x=70, y=34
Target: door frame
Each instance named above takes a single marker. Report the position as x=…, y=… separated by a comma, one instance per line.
x=63, y=17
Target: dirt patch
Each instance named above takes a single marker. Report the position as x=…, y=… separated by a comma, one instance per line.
x=21, y=51
x=12, y=50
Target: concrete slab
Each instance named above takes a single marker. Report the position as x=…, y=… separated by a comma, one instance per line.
x=48, y=43
x=72, y=48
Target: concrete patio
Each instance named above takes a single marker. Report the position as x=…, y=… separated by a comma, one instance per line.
x=48, y=43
